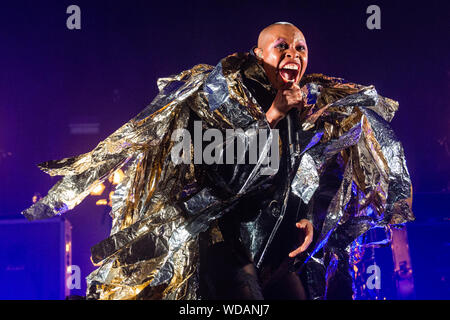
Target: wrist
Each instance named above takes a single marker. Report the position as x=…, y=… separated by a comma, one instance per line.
x=273, y=116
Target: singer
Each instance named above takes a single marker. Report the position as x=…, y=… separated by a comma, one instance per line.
x=183, y=230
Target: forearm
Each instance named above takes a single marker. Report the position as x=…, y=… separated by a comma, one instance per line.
x=273, y=116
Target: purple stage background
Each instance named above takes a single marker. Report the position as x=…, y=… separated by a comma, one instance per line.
x=105, y=73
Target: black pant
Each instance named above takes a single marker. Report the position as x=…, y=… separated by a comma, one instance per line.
x=225, y=274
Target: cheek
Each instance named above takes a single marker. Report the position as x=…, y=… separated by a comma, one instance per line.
x=271, y=72
x=304, y=61
x=272, y=59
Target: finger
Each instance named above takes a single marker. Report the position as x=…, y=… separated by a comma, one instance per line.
x=291, y=89
x=295, y=252
x=299, y=250
x=304, y=225
x=306, y=243
x=294, y=86
x=294, y=98
x=308, y=238
x=301, y=225
x=288, y=85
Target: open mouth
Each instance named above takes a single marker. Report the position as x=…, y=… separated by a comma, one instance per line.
x=289, y=72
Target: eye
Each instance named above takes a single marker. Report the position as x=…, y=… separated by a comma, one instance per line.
x=282, y=46
x=301, y=48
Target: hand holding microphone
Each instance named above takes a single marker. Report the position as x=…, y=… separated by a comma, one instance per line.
x=288, y=97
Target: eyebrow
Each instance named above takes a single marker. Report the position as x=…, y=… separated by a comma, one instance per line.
x=279, y=40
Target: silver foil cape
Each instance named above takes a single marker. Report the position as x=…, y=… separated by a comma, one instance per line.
x=160, y=208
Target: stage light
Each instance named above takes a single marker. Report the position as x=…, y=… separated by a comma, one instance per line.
x=117, y=177
x=110, y=198
x=36, y=197
x=98, y=190
x=101, y=202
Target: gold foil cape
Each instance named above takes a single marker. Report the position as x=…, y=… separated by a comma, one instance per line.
x=152, y=252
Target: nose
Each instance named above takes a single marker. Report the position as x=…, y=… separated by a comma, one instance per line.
x=292, y=53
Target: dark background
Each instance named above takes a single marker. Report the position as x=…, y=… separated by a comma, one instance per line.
x=105, y=73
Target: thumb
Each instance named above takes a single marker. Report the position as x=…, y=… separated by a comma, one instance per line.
x=288, y=85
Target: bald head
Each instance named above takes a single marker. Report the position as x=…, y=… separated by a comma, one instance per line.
x=274, y=27
x=280, y=44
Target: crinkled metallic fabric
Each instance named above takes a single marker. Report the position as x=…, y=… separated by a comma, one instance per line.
x=375, y=188
x=160, y=208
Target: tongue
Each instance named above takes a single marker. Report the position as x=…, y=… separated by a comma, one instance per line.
x=288, y=74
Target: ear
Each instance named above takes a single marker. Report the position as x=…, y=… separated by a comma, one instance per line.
x=258, y=53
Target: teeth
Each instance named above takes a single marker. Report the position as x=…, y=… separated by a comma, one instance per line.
x=291, y=66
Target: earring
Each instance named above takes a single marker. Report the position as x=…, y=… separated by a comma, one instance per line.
x=260, y=58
